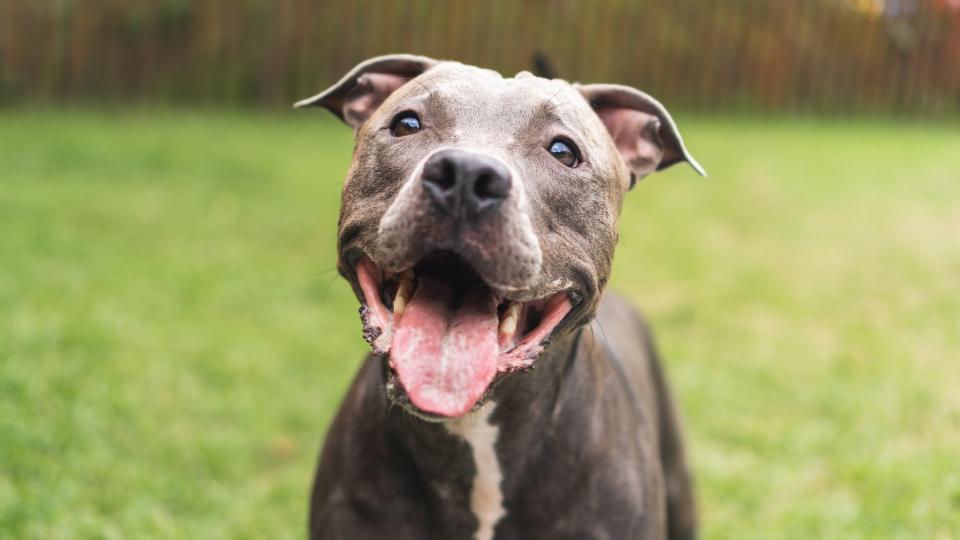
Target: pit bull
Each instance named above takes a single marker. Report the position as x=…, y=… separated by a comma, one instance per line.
x=505, y=397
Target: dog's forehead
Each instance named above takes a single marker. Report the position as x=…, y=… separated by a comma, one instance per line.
x=468, y=89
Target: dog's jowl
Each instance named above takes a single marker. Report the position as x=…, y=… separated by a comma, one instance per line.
x=505, y=395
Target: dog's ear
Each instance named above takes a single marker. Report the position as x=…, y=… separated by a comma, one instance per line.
x=641, y=128
x=360, y=92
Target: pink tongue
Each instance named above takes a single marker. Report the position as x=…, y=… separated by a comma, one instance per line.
x=445, y=358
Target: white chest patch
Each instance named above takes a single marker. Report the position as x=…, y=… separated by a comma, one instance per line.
x=486, y=498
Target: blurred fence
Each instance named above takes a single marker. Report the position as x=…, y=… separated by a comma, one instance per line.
x=821, y=56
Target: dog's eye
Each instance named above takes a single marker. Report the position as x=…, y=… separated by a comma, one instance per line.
x=564, y=152
x=406, y=123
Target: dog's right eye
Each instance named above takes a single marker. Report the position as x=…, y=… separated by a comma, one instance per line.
x=564, y=152
x=405, y=123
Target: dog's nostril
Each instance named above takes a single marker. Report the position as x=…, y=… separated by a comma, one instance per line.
x=491, y=186
x=443, y=182
x=441, y=174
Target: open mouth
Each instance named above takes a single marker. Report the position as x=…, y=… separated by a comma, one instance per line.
x=448, y=334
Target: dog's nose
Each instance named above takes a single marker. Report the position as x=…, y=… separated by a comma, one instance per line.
x=465, y=183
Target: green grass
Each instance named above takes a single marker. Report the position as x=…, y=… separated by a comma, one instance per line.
x=173, y=339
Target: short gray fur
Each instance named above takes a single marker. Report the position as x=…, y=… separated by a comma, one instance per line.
x=589, y=443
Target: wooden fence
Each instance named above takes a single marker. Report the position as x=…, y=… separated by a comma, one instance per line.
x=817, y=56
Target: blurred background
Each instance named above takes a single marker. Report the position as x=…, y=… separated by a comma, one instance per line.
x=174, y=338
x=819, y=56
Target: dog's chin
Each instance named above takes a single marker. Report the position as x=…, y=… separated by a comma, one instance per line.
x=446, y=336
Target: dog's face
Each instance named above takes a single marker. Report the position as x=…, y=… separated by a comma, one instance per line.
x=479, y=214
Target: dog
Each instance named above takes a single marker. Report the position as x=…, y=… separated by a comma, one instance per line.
x=505, y=395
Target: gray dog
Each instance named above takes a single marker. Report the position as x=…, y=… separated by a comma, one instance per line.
x=477, y=228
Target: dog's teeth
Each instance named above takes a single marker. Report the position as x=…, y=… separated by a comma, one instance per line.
x=403, y=294
x=511, y=315
x=399, y=305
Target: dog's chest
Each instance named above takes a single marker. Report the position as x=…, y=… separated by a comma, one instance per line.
x=486, y=496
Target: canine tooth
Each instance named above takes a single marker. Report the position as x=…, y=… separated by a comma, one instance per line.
x=511, y=315
x=403, y=294
x=399, y=305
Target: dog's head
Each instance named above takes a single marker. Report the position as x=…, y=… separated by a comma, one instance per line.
x=479, y=214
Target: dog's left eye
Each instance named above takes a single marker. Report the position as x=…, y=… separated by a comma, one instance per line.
x=564, y=152
x=406, y=123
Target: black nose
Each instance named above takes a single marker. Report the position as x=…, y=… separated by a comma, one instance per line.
x=465, y=183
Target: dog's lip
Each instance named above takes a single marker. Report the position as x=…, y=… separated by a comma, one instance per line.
x=372, y=292
x=354, y=256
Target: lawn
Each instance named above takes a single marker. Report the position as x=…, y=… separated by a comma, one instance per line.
x=174, y=339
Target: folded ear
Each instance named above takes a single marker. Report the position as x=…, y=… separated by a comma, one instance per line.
x=360, y=92
x=641, y=128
